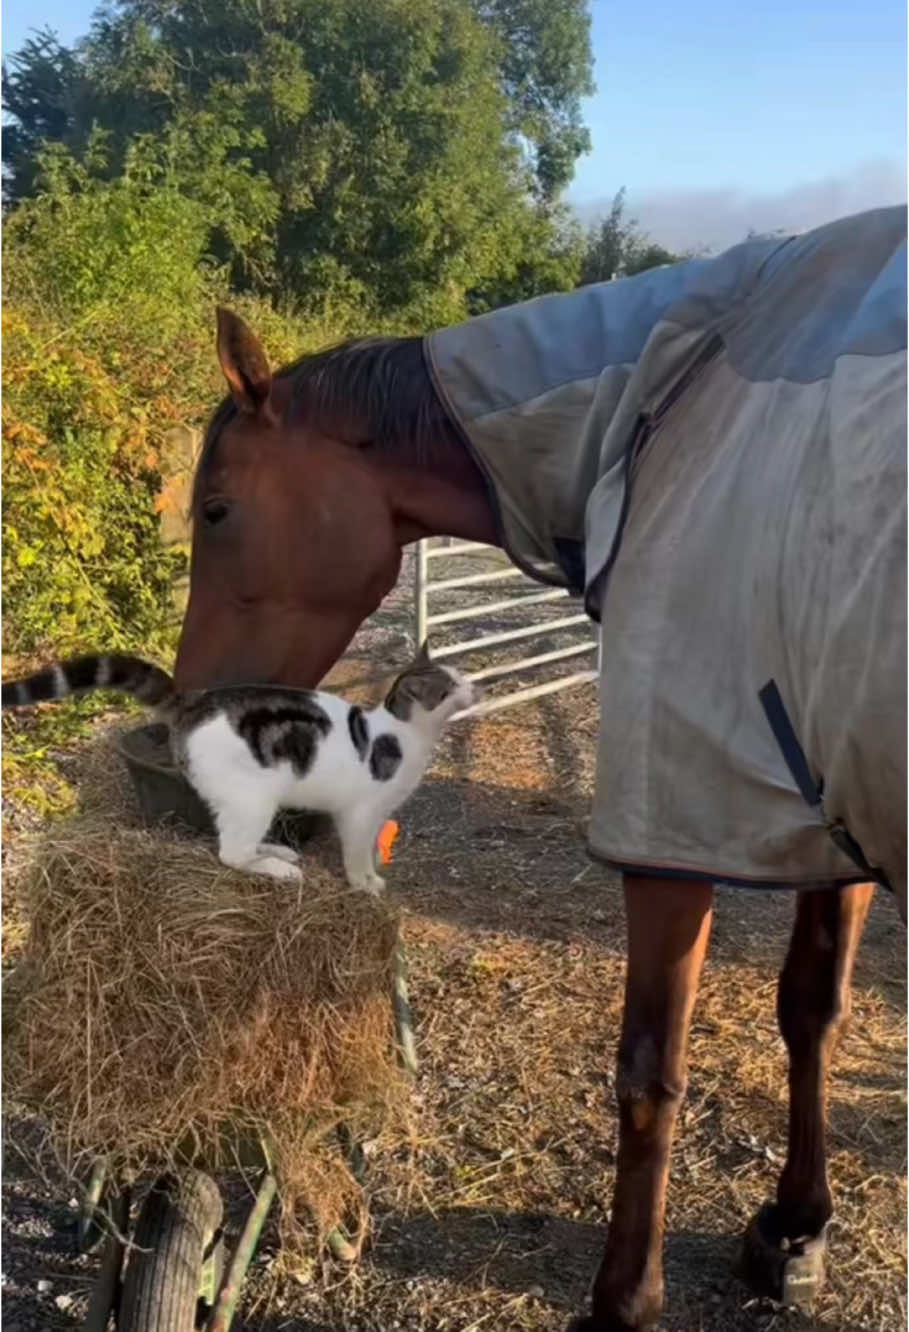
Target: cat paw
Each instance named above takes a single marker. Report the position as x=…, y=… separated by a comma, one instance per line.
x=279, y=852
x=369, y=883
x=276, y=868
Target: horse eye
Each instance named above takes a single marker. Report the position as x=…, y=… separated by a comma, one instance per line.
x=214, y=512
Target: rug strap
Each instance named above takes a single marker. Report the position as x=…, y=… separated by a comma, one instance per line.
x=812, y=791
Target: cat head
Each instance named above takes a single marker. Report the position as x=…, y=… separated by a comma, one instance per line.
x=429, y=687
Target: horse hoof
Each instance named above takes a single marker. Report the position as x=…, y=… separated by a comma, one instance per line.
x=790, y=1271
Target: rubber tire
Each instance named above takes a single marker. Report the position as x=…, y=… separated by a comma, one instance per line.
x=176, y=1226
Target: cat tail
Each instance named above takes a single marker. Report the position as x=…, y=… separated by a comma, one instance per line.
x=80, y=675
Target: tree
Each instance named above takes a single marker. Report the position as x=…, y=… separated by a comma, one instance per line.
x=616, y=247
x=41, y=93
x=545, y=254
x=546, y=68
x=392, y=156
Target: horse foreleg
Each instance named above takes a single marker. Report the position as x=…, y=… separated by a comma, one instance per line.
x=784, y=1244
x=668, y=928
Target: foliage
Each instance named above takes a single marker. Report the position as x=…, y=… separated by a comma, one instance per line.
x=99, y=278
x=389, y=155
x=41, y=94
x=108, y=344
x=89, y=252
x=616, y=247
x=545, y=254
x=80, y=552
x=545, y=65
x=32, y=779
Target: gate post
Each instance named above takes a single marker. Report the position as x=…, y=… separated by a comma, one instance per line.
x=419, y=588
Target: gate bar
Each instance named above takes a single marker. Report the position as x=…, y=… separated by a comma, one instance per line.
x=484, y=608
x=470, y=579
x=535, y=691
x=489, y=640
x=525, y=663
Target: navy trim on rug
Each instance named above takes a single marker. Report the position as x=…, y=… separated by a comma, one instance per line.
x=726, y=880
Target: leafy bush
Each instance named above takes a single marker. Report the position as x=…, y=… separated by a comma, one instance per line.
x=108, y=339
x=83, y=564
x=100, y=276
x=399, y=154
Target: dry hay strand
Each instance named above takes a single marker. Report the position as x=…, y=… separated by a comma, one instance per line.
x=166, y=1009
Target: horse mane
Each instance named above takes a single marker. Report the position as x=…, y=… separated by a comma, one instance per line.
x=371, y=393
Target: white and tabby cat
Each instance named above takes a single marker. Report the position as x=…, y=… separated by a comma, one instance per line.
x=250, y=750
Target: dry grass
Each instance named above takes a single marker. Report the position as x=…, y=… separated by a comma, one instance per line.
x=165, y=1007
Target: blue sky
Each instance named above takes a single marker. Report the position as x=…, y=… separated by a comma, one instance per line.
x=762, y=95
x=715, y=111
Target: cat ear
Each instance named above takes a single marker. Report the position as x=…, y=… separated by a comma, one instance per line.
x=423, y=658
x=243, y=364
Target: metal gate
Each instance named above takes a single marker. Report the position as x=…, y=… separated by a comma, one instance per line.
x=574, y=641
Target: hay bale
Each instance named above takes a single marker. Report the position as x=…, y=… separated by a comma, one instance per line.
x=163, y=1000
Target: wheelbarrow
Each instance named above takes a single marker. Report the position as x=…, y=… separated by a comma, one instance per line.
x=174, y=1273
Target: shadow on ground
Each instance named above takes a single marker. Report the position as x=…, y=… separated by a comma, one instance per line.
x=530, y=872
x=551, y=1261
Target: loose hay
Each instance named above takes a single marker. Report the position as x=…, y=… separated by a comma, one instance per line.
x=164, y=1001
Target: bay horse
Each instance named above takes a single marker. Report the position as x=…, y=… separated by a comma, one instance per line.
x=713, y=454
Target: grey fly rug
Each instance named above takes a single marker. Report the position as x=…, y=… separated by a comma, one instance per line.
x=714, y=454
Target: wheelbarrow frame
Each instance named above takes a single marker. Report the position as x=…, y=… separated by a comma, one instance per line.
x=220, y=1282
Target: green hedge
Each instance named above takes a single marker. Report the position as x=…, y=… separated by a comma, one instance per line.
x=108, y=334
x=109, y=344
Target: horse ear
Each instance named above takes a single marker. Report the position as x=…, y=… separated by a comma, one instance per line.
x=243, y=362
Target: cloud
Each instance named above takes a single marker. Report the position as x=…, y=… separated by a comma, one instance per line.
x=715, y=219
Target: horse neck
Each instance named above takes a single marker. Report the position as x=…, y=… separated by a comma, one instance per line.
x=439, y=492
x=382, y=392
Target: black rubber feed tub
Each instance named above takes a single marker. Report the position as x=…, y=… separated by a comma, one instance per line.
x=165, y=796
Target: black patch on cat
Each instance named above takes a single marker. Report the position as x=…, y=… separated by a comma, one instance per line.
x=359, y=731
x=385, y=757
x=284, y=731
x=298, y=745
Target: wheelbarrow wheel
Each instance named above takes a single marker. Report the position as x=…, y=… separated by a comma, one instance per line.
x=175, y=1237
